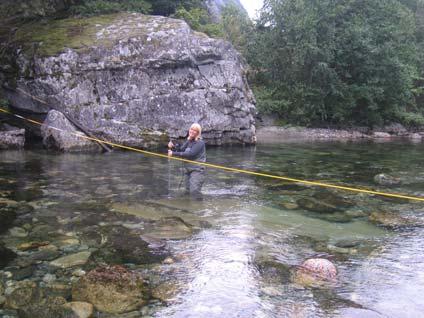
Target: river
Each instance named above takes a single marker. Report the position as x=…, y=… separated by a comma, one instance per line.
x=250, y=232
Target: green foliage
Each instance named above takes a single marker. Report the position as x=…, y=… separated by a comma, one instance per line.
x=339, y=62
x=97, y=7
x=236, y=27
x=411, y=119
x=169, y=7
x=199, y=20
x=156, y=7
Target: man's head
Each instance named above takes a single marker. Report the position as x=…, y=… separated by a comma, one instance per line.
x=195, y=132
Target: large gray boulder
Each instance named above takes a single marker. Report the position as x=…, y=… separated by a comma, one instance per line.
x=134, y=79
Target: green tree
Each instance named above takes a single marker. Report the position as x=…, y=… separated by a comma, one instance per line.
x=96, y=7
x=236, y=26
x=339, y=62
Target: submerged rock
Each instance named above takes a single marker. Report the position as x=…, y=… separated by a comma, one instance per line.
x=315, y=272
x=314, y=205
x=32, y=245
x=27, y=194
x=273, y=272
x=134, y=79
x=173, y=228
x=80, y=309
x=50, y=307
x=331, y=198
x=7, y=216
x=166, y=292
x=71, y=260
x=394, y=220
x=285, y=186
x=126, y=246
x=6, y=256
x=386, y=180
x=111, y=289
x=22, y=294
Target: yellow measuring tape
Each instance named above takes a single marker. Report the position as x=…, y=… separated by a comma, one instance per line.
x=150, y=153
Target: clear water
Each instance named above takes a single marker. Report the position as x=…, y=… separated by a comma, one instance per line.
x=226, y=269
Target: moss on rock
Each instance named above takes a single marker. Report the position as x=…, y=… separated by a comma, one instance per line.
x=51, y=37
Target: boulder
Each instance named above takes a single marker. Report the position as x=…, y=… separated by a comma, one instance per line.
x=12, y=139
x=134, y=79
x=111, y=289
x=59, y=134
x=315, y=272
x=382, y=135
x=415, y=136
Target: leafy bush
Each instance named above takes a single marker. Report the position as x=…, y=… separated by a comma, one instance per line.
x=96, y=7
x=411, y=120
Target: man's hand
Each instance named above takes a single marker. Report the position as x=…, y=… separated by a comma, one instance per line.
x=169, y=153
x=170, y=145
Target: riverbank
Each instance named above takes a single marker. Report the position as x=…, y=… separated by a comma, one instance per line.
x=395, y=132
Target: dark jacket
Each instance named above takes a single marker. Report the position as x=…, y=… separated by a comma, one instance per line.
x=194, y=150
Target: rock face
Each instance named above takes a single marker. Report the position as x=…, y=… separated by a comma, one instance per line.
x=134, y=79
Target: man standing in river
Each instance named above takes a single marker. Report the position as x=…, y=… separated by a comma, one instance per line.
x=193, y=149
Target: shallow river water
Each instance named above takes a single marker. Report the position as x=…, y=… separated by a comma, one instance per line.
x=246, y=237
